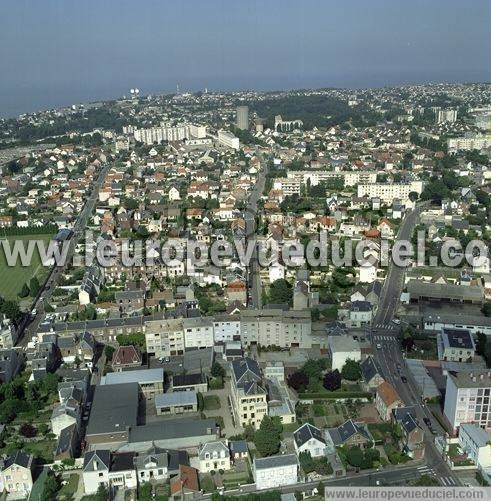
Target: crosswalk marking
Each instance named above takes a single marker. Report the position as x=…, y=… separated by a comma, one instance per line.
x=384, y=338
x=387, y=327
x=445, y=481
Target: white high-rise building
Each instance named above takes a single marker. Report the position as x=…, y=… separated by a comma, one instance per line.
x=446, y=116
x=227, y=139
x=468, y=399
x=242, y=117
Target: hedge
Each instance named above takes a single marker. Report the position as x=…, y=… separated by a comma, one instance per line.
x=15, y=231
x=335, y=394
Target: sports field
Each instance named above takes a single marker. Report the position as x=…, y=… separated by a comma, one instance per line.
x=12, y=278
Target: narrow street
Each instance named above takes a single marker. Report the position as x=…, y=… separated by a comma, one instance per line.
x=388, y=354
x=254, y=280
x=30, y=324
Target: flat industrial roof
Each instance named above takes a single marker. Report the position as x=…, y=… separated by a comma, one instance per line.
x=176, y=398
x=140, y=376
x=114, y=408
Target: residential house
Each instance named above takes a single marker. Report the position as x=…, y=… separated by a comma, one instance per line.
x=350, y=433
x=67, y=446
x=342, y=348
x=238, y=450
x=476, y=443
x=122, y=474
x=17, y=473
x=360, y=314
x=126, y=357
x=386, y=400
x=455, y=345
x=130, y=301
x=214, y=456
x=68, y=346
x=248, y=393
x=157, y=464
x=412, y=440
x=371, y=374
x=11, y=362
x=275, y=471
x=67, y=413
x=185, y=483
x=310, y=439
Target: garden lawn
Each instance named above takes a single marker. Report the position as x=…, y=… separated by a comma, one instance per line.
x=14, y=277
x=70, y=488
x=211, y=403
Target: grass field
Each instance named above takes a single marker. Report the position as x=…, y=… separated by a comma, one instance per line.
x=12, y=278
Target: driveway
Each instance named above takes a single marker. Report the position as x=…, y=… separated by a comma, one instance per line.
x=225, y=410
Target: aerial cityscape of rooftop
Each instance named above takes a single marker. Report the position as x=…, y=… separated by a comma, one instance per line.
x=244, y=250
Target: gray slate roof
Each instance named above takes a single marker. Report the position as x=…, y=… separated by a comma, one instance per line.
x=275, y=461
x=305, y=433
x=114, y=408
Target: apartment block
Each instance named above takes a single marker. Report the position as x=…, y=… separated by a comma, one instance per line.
x=198, y=332
x=164, y=338
x=268, y=327
x=467, y=399
x=387, y=192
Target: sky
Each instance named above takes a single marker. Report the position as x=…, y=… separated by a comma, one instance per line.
x=61, y=52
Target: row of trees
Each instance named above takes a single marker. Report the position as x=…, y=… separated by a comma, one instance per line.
x=31, y=289
x=310, y=378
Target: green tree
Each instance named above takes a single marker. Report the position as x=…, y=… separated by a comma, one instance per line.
x=201, y=402
x=24, y=292
x=34, y=286
x=351, y=370
x=145, y=492
x=51, y=487
x=109, y=351
x=102, y=493
x=8, y=410
x=312, y=369
x=307, y=463
x=481, y=343
x=268, y=438
x=355, y=456
x=486, y=309
x=217, y=370
x=135, y=339
x=280, y=292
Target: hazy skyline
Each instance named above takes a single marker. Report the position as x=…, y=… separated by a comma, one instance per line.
x=56, y=53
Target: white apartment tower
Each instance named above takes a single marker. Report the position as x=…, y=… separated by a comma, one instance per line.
x=468, y=399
